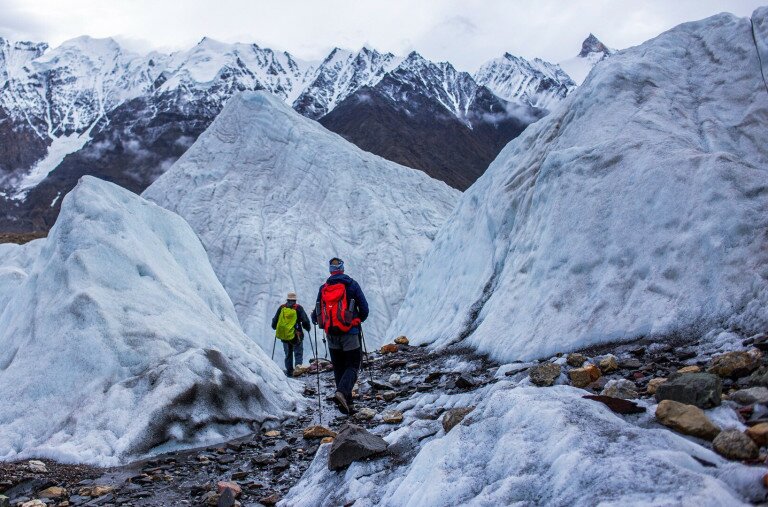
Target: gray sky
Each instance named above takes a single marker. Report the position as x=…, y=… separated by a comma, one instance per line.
x=464, y=32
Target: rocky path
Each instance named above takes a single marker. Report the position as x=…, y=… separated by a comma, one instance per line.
x=258, y=469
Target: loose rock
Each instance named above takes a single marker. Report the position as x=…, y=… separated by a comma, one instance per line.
x=36, y=466
x=33, y=503
x=226, y=498
x=353, y=443
x=701, y=389
x=582, y=377
x=394, y=379
x=689, y=369
x=53, y=492
x=327, y=440
x=272, y=434
x=654, y=384
x=235, y=488
x=687, y=419
x=318, y=432
x=544, y=375
x=758, y=433
x=365, y=414
x=300, y=370
x=618, y=405
x=401, y=340
x=392, y=417
x=389, y=348
x=752, y=395
x=621, y=388
x=575, y=359
x=608, y=364
x=95, y=491
x=454, y=416
x=733, y=444
x=389, y=395
x=4, y=501
x=735, y=364
x=464, y=382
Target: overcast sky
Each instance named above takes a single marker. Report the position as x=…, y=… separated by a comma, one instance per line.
x=464, y=32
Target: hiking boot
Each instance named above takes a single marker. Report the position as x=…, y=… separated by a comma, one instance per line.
x=341, y=402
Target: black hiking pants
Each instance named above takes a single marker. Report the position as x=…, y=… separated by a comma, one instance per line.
x=346, y=366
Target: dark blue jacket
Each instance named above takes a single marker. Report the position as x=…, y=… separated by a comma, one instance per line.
x=353, y=292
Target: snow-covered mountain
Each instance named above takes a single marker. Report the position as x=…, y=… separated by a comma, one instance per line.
x=638, y=208
x=536, y=83
x=136, y=343
x=592, y=52
x=273, y=196
x=91, y=107
x=340, y=75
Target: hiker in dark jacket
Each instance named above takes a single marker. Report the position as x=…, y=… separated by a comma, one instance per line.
x=345, y=347
x=293, y=348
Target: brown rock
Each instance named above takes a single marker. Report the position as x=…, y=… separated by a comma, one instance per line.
x=735, y=364
x=575, y=360
x=544, y=374
x=327, y=440
x=270, y=500
x=389, y=348
x=272, y=434
x=609, y=363
x=389, y=395
x=318, y=432
x=33, y=503
x=582, y=377
x=689, y=369
x=53, y=492
x=95, y=491
x=733, y=444
x=687, y=419
x=653, y=384
x=392, y=417
x=765, y=481
x=454, y=416
x=758, y=433
x=401, y=340
x=618, y=405
x=300, y=370
x=232, y=486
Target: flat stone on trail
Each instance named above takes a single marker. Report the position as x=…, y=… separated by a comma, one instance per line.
x=733, y=444
x=687, y=419
x=618, y=405
x=354, y=443
x=701, y=389
x=318, y=432
x=544, y=374
x=454, y=416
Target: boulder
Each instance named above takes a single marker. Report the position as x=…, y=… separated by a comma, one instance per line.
x=53, y=492
x=609, y=363
x=454, y=416
x=354, y=443
x=701, y=389
x=582, y=377
x=318, y=432
x=401, y=340
x=618, y=405
x=758, y=433
x=621, y=388
x=392, y=417
x=687, y=419
x=654, y=384
x=575, y=359
x=735, y=364
x=544, y=374
x=733, y=444
x=752, y=395
x=365, y=414
x=389, y=348
x=690, y=369
x=234, y=487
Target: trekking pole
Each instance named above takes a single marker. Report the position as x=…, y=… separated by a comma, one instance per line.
x=317, y=372
x=365, y=351
x=273, y=348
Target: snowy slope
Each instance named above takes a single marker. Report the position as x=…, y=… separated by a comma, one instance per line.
x=118, y=338
x=341, y=74
x=592, y=52
x=274, y=196
x=536, y=83
x=637, y=209
x=530, y=446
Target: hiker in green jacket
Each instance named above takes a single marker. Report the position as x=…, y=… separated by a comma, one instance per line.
x=288, y=322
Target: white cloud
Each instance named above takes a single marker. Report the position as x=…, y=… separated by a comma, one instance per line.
x=465, y=32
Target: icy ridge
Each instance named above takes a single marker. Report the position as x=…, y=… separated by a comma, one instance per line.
x=139, y=343
x=636, y=209
x=273, y=196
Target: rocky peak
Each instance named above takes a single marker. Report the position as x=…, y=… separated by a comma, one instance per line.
x=593, y=45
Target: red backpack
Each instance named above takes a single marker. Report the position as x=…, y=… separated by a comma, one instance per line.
x=335, y=317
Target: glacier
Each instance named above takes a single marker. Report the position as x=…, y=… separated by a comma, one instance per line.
x=529, y=446
x=638, y=208
x=117, y=340
x=273, y=196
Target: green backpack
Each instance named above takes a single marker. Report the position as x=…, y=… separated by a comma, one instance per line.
x=286, y=324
